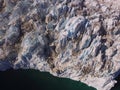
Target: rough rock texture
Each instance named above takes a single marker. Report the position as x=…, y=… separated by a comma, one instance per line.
x=76, y=39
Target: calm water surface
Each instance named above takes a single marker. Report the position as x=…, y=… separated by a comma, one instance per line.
x=35, y=80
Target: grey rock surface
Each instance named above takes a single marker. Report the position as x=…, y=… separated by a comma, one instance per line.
x=76, y=39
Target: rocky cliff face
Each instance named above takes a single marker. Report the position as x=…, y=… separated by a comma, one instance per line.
x=76, y=39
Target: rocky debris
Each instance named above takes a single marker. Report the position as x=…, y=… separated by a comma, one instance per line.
x=76, y=39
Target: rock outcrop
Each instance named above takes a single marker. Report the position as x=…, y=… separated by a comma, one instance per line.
x=76, y=39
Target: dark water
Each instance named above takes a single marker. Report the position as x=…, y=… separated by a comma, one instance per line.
x=35, y=80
